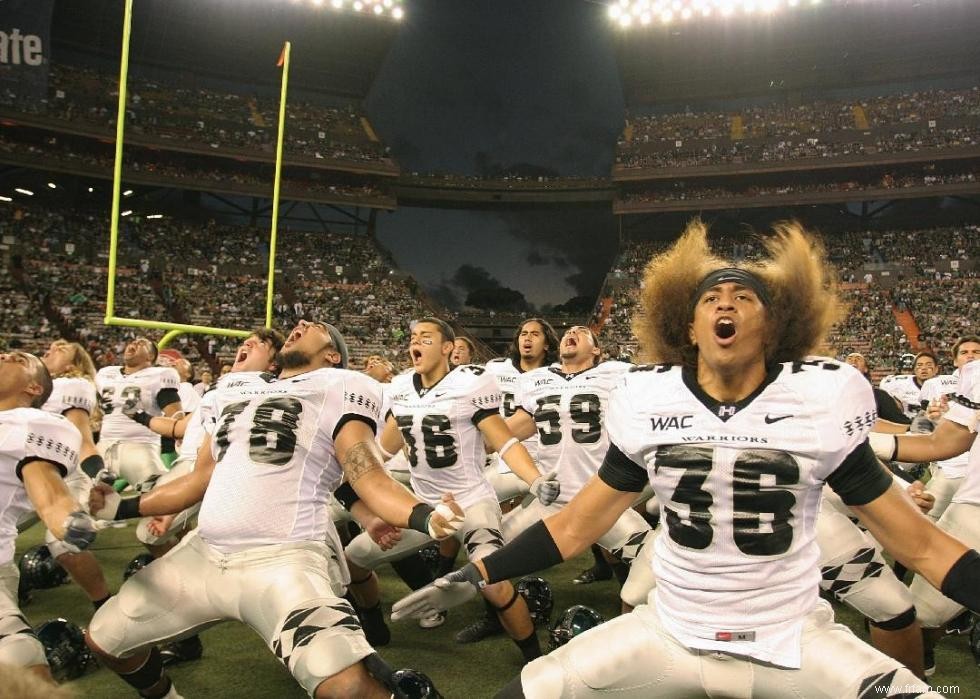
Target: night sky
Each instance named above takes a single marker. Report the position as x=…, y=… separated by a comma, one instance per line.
x=520, y=82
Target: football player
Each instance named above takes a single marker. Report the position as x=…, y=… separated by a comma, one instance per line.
x=257, y=353
x=130, y=449
x=565, y=406
x=955, y=434
x=260, y=553
x=463, y=352
x=905, y=388
x=947, y=474
x=888, y=408
x=737, y=430
x=443, y=417
x=73, y=395
x=37, y=450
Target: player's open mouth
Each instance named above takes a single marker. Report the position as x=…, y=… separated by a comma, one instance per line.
x=725, y=331
x=415, y=353
x=242, y=355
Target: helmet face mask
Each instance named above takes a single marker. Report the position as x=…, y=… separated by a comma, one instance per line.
x=572, y=622
x=539, y=598
x=65, y=649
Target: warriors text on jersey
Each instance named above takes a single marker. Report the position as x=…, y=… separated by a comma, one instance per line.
x=68, y=393
x=568, y=410
x=934, y=389
x=29, y=435
x=964, y=409
x=440, y=428
x=139, y=390
x=905, y=389
x=274, y=447
x=739, y=486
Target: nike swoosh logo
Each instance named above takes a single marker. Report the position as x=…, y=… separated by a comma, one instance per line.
x=770, y=420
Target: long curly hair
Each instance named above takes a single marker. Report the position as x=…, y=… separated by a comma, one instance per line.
x=801, y=283
x=82, y=366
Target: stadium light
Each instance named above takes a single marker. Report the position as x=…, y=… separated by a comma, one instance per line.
x=3, y=198
x=128, y=193
x=629, y=13
x=155, y=216
x=127, y=212
x=377, y=8
x=25, y=192
x=91, y=189
x=52, y=185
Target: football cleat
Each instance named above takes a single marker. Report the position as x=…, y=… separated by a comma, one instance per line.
x=484, y=627
x=182, y=651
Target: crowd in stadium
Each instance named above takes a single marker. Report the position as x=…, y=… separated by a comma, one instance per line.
x=688, y=190
x=899, y=123
x=201, y=116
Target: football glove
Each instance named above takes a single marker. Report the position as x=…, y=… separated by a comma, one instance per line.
x=444, y=593
x=80, y=531
x=546, y=488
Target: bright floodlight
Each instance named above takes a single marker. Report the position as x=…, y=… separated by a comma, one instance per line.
x=3, y=198
x=629, y=13
x=377, y=8
x=398, y=13
x=52, y=185
x=25, y=192
x=127, y=212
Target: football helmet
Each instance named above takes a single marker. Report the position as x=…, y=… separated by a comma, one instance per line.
x=413, y=684
x=39, y=570
x=430, y=554
x=65, y=649
x=573, y=621
x=138, y=563
x=540, y=602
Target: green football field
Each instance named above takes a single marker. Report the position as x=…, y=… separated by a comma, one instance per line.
x=237, y=664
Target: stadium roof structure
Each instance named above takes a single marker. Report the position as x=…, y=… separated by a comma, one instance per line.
x=832, y=44
x=335, y=51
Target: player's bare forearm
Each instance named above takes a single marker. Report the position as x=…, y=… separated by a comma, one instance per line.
x=47, y=492
x=498, y=433
x=949, y=439
x=378, y=491
x=180, y=493
x=521, y=425
x=589, y=515
x=910, y=536
x=80, y=419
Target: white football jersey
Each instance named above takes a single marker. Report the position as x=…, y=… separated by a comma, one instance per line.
x=27, y=434
x=569, y=411
x=189, y=397
x=933, y=389
x=199, y=425
x=508, y=376
x=276, y=466
x=739, y=488
x=964, y=409
x=904, y=389
x=439, y=426
x=137, y=390
x=68, y=393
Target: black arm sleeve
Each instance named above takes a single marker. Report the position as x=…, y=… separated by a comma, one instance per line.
x=860, y=478
x=346, y=495
x=347, y=417
x=962, y=581
x=532, y=550
x=620, y=472
x=18, y=470
x=888, y=409
x=167, y=396
x=482, y=414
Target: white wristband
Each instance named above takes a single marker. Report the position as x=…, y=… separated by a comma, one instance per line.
x=885, y=446
x=507, y=445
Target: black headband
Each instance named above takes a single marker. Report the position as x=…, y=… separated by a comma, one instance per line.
x=735, y=276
